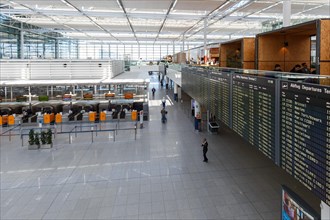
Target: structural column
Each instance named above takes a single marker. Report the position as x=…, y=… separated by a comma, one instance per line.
x=183, y=43
x=325, y=211
x=21, y=46
x=205, y=41
x=175, y=91
x=286, y=13
x=57, y=49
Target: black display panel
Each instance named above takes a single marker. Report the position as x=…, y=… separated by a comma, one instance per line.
x=220, y=83
x=305, y=135
x=253, y=111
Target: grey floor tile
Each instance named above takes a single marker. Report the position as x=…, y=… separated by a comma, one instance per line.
x=105, y=213
x=144, y=208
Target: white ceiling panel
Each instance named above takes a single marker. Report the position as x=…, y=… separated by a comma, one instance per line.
x=147, y=5
x=95, y=5
x=203, y=6
x=39, y=4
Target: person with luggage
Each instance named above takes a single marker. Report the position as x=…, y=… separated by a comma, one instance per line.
x=163, y=112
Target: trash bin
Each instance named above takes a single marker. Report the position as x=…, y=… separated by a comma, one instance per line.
x=213, y=127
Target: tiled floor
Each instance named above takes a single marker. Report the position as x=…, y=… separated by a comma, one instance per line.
x=160, y=175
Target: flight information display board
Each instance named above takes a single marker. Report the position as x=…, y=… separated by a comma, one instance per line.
x=305, y=135
x=253, y=109
x=221, y=83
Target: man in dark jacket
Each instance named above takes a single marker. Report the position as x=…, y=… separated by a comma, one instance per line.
x=205, y=145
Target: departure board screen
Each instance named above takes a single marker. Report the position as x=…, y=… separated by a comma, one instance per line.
x=221, y=83
x=254, y=111
x=305, y=135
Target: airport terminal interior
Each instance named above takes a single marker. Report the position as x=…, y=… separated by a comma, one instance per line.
x=168, y=109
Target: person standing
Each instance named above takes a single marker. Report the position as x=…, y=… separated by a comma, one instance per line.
x=205, y=145
x=153, y=91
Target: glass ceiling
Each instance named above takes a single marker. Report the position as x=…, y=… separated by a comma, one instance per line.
x=165, y=21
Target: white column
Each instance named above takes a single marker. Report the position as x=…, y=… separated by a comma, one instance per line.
x=173, y=48
x=22, y=42
x=183, y=43
x=179, y=93
x=95, y=89
x=286, y=13
x=205, y=38
x=325, y=211
x=117, y=53
x=11, y=93
x=139, y=52
x=57, y=49
x=175, y=91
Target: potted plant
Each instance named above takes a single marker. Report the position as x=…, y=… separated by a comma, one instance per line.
x=32, y=141
x=36, y=139
x=43, y=137
x=46, y=139
x=49, y=136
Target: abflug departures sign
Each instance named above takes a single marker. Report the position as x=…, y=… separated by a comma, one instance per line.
x=305, y=135
x=253, y=114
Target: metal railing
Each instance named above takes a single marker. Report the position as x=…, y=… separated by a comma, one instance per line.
x=114, y=130
x=75, y=130
x=9, y=131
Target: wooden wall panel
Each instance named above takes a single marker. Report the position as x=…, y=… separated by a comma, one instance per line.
x=298, y=49
x=248, y=65
x=325, y=41
x=223, y=49
x=248, y=49
x=270, y=48
x=270, y=51
x=325, y=68
x=269, y=65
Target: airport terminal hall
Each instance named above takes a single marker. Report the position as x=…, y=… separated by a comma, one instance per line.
x=165, y=109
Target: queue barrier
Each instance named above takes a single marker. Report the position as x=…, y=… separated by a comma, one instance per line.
x=58, y=118
x=48, y=118
x=134, y=115
x=103, y=116
x=92, y=116
x=11, y=120
x=7, y=120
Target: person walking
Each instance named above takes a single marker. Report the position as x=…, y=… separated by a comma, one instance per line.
x=153, y=91
x=205, y=145
x=163, y=102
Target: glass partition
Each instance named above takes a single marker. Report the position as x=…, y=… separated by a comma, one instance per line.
x=298, y=77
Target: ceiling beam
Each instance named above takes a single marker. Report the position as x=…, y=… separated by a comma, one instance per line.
x=44, y=15
x=120, y=3
x=232, y=9
x=172, y=6
x=91, y=20
x=212, y=13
